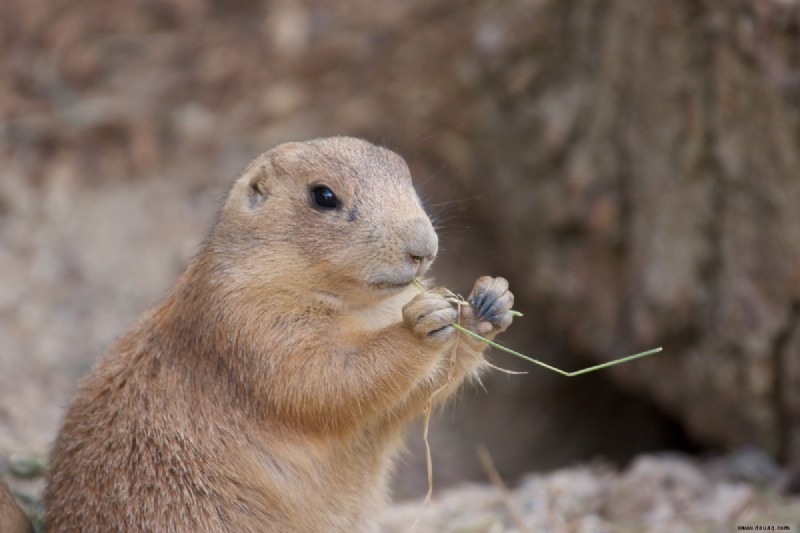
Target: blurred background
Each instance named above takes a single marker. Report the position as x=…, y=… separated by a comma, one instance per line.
x=633, y=168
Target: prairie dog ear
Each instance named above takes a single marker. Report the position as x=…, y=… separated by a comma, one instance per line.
x=259, y=178
x=253, y=186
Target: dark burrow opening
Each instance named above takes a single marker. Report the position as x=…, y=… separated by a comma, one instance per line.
x=537, y=423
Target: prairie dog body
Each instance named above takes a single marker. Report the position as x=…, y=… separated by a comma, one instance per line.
x=12, y=518
x=268, y=391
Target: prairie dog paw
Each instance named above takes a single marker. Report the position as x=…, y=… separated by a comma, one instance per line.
x=429, y=316
x=491, y=303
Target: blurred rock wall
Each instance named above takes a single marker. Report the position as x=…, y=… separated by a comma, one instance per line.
x=632, y=167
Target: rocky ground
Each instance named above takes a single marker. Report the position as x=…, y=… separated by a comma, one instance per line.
x=656, y=493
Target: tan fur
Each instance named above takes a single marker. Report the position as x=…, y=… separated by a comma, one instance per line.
x=12, y=518
x=268, y=391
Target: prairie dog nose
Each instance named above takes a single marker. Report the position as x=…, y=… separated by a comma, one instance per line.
x=422, y=243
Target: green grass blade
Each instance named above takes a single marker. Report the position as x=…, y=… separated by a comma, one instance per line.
x=493, y=344
x=509, y=350
x=551, y=367
x=615, y=362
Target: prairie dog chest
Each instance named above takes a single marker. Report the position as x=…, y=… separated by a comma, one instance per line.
x=374, y=317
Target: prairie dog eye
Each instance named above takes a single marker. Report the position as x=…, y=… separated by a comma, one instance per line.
x=323, y=198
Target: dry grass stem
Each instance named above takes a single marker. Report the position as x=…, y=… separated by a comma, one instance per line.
x=427, y=418
x=494, y=476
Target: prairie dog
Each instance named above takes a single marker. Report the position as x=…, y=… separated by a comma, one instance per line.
x=268, y=390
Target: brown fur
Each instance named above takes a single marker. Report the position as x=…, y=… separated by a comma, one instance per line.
x=268, y=390
x=12, y=518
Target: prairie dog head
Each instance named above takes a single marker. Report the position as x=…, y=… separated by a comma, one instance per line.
x=337, y=217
